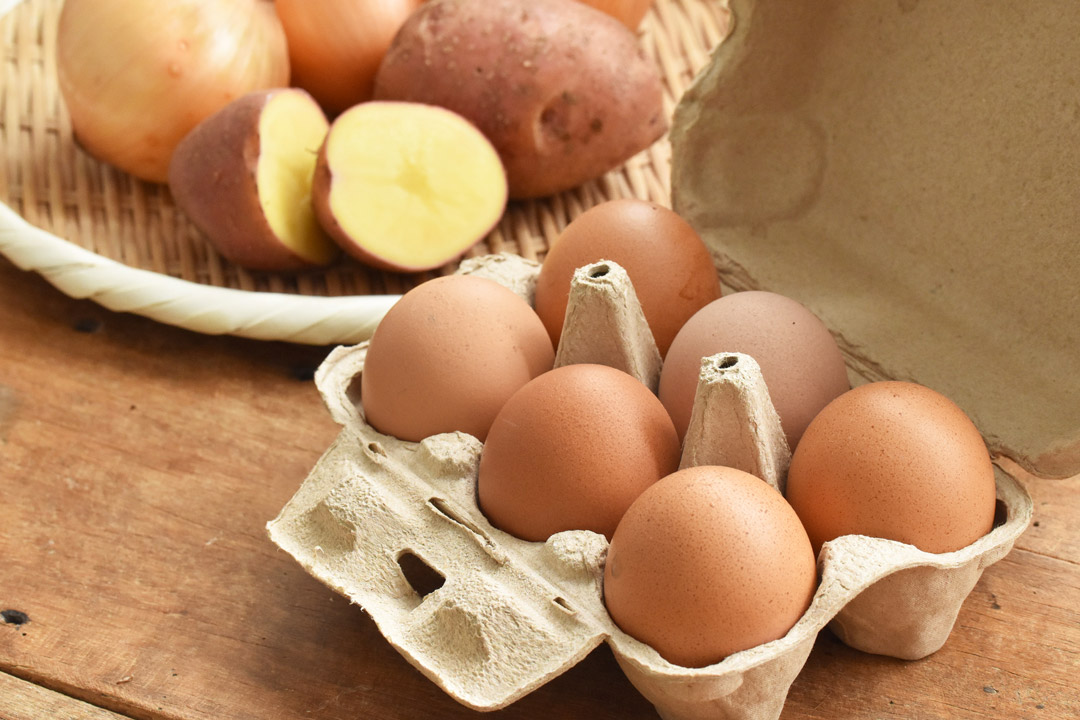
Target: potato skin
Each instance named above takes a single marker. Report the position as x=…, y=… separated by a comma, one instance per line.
x=212, y=179
x=563, y=91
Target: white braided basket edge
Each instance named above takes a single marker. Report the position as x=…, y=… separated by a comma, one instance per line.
x=79, y=273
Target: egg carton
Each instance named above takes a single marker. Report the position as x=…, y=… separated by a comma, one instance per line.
x=395, y=527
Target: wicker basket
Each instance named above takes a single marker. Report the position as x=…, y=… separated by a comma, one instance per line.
x=94, y=231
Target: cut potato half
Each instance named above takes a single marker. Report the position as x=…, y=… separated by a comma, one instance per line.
x=244, y=177
x=285, y=172
x=407, y=187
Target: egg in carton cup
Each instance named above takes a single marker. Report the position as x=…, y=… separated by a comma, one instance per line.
x=379, y=517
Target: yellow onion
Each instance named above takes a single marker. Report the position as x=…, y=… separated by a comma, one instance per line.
x=335, y=46
x=628, y=12
x=138, y=75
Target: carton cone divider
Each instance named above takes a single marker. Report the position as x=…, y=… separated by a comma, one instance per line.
x=734, y=423
x=604, y=324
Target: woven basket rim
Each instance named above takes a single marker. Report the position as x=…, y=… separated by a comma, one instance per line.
x=208, y=309
x=278, y=310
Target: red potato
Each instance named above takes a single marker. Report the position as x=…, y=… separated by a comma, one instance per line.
x=563, y=91
x=407, y=187
x=244, y=178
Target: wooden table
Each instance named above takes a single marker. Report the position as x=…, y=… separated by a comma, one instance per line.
x=139, y=465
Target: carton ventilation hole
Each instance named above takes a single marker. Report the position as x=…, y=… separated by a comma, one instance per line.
x=1001, y=513
x=352, y=391
x=561, y=603
x=599, y=271
x=421, y=577
x=376, y=449
x=729, y=362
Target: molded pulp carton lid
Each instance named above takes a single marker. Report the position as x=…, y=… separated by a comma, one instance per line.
x=911, y=172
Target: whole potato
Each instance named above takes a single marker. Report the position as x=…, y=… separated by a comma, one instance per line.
x=563, y=91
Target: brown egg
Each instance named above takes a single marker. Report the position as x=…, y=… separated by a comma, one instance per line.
x=799, y=359
x=668, y=264
x=707, y=562
x=571, y=450
x=448, y=355
x=893, y=460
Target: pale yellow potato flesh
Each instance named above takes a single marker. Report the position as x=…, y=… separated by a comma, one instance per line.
x=292, y=128
x=414, y=185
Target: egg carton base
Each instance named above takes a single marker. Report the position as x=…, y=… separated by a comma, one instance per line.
x=511, y=614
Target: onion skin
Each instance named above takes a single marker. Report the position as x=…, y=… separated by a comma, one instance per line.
x=335, y=46
x=138, y=75
x=629, y=12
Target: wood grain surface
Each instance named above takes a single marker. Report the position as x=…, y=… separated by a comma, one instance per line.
x=21, y=700
x=140, y=463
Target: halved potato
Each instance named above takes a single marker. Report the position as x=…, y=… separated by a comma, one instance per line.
x=407, y=187
x=244, y=178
